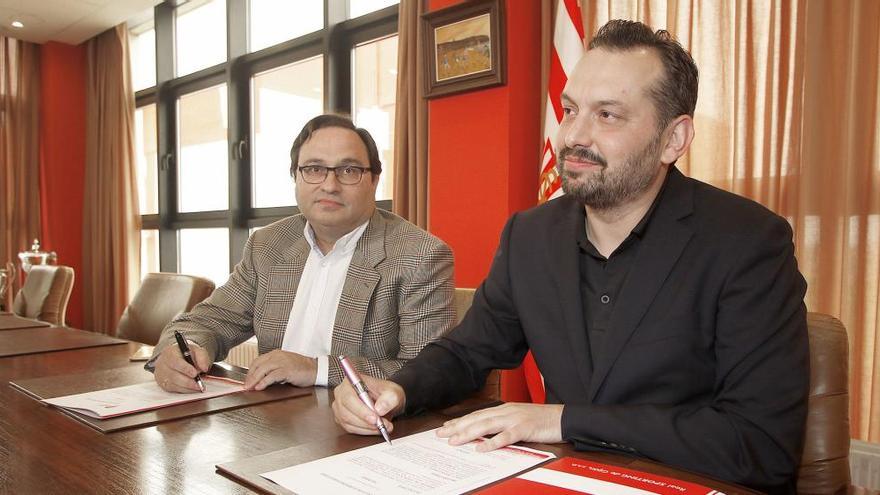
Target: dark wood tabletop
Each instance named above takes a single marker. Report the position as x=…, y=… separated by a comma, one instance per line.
x=46, y=339
x=45, y=451
x=10, y=321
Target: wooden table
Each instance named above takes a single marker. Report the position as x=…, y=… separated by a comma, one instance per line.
x=10, y=321
x=45, y=451
x=47, y=339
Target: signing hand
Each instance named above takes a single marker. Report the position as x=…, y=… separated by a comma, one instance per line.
x=281, y=367
x=511, y=423
x=174, y=374
x=355, y=417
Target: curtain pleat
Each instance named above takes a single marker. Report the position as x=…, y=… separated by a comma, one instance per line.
x=411, y=120
x=19, y=148
x=111, y=221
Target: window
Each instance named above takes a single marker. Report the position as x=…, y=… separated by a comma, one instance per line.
x=274, y=21
x=200, y=35
x=285, y=99
x=375, y=92
x=147, y=171
x=202, y=170
x=145, y=159
x=222, y=88
x=205, y=252
x=143, y=56
x=149, y=252
x=358, y=8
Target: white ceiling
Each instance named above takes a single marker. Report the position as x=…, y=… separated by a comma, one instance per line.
x=67, y=21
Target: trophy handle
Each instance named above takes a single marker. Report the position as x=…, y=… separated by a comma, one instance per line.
x=8, y=284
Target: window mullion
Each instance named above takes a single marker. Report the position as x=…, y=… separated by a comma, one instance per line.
x=166, y=136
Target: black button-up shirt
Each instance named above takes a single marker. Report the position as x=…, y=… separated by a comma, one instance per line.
x=601, y=278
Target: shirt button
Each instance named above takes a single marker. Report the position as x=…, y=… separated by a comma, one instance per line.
x=605, y=299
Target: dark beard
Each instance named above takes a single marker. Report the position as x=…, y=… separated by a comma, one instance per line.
x=606, y=190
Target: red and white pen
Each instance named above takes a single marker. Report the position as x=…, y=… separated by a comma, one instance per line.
x=361, y=388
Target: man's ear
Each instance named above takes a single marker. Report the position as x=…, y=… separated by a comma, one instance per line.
x=681, y=133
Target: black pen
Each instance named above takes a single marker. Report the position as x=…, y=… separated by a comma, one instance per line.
x=187, y=356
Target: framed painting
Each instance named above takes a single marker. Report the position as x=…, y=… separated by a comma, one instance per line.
x=465, y=47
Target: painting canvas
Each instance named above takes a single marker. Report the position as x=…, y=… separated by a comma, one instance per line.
x=464, y=46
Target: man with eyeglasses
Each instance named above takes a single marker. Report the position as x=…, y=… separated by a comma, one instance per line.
x=340, y=278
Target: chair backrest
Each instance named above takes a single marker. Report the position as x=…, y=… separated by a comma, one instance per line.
x=825, y=460
x=160, y=298
x=462, y=301
x=45, y=294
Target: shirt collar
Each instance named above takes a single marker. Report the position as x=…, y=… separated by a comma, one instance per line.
x=640, y=227
x=638, y=230
x=344, y=245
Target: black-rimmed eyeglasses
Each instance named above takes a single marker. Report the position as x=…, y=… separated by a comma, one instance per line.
x=346, y=174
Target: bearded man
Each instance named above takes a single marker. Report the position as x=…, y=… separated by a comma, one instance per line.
x=666, y=315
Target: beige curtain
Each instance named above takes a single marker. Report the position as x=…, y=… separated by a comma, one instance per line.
x=19, y=147
x=111, y=223
x=411, y=119
x=789, y=115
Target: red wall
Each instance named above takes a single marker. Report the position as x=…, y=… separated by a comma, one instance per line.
x=63, y=158
x=484, y=150
x=484, y=155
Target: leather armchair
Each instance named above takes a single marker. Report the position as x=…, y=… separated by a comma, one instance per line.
x=45, y=294
x=462, y=300
x=160, y=298
x=825, y=460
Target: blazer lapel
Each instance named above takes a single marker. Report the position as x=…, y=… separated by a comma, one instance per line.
x=661, y=246
x=294, y=256
x=283, y=283
x=360, y=283
x=566, y=276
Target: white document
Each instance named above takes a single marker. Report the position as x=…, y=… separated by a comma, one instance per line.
x=420, y=463
x=131, y=399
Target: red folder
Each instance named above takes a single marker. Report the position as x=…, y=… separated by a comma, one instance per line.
x=570, y=475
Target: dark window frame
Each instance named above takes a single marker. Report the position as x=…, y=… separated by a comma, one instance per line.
x=336, y=42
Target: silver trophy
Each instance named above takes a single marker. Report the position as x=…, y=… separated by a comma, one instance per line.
x=36, y=257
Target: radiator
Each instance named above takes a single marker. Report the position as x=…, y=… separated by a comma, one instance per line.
x=243, y=354
x=864, y=464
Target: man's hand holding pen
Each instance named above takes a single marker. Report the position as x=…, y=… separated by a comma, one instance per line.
x=174, y=374
x=354, y=416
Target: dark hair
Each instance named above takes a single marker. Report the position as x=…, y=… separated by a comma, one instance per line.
x=333, y=120
x=676, y=94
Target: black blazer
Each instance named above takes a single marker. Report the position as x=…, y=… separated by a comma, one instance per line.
x=706, y=362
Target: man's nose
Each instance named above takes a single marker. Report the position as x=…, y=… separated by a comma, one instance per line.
x=578, y=132
x=331, y=183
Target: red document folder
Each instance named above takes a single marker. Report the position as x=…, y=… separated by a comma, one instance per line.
x=570, y=475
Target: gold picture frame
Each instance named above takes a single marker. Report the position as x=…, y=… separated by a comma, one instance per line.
x=465, y=47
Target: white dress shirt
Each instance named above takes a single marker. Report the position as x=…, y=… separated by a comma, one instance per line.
x=310, y=326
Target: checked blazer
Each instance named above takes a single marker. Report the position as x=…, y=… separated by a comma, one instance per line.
x=397, y=296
